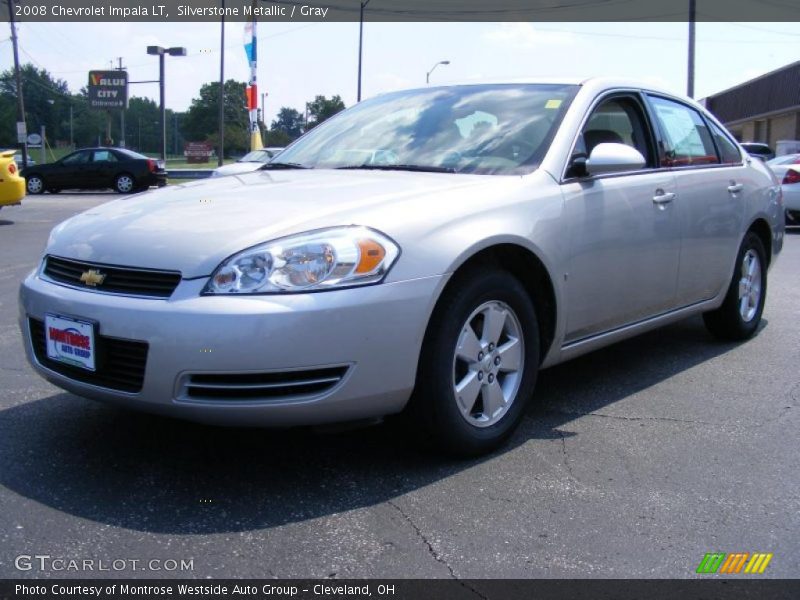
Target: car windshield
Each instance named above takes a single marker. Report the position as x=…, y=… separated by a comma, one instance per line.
x=484, y=129
x=257, y=156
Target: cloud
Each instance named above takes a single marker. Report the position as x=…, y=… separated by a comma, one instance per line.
x=525, y=36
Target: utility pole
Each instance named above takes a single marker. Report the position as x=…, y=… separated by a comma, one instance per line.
x=222, y=88
x=360, y=45
x=121, y=112
x=22, y=129
x=692, y=19
x=163, y=107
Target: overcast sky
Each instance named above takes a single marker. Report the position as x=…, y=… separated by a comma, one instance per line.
x=298, y=61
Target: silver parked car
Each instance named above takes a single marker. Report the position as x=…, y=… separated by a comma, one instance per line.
x=494, y=230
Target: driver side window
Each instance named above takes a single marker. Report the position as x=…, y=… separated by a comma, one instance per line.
x=619, y=120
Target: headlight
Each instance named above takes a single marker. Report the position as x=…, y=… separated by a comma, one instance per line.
x=318, y=260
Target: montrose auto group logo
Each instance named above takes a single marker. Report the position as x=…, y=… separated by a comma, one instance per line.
x=70, y=343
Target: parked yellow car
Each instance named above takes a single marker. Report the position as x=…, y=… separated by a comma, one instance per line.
x=12, y=186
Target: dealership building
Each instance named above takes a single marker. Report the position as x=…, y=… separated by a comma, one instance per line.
x=765, y=109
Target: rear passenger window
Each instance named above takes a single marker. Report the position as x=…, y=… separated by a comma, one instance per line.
x=729, y=152
x=104, y=156
x=687, y=140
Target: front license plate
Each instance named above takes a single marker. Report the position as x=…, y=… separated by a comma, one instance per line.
x=70, y=341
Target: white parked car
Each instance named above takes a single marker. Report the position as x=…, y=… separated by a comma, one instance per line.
x=787, y=170
x=252, y=161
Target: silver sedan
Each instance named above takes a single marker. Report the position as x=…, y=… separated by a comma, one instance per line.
x=426, y=251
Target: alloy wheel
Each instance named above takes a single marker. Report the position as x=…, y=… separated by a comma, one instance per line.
x=488, y=364
x=749, y=286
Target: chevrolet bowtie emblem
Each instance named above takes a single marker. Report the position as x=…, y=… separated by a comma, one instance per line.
x=93, y=277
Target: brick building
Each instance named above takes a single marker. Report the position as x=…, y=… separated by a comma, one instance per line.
x=765, y=109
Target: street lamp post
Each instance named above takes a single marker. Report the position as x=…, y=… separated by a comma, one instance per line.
x=433, y=68
x=161, y=52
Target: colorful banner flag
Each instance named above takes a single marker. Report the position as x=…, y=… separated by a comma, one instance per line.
x=251, y=50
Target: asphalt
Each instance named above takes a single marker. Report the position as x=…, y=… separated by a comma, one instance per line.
x=633, y=461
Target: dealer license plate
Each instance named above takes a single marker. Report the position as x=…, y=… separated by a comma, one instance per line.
x=70, y=341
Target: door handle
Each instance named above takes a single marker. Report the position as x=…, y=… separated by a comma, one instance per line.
x=663, y=197
x=735, y=188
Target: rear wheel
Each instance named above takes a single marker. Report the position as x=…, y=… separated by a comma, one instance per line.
x=34, y=184
x=740, y=314
x=478, y=365
x=124, y=183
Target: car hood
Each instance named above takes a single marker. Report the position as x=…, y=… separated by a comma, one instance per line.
x=237, y=167
x=193, y=227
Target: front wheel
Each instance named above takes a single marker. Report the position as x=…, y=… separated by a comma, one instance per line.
x=124, y=183
x=34, y=184
x=740, y=314
x=479, y=363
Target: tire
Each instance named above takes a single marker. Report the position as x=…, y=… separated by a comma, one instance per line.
x=465, y=425
x=124, y=183
x=740, y=314
x=34, y=184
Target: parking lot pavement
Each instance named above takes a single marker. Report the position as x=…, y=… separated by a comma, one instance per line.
x=634, y=461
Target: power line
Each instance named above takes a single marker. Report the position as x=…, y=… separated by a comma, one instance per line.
x=208, y=51
x=742, y=25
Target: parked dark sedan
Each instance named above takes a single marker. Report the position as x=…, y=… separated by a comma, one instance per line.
x=96, y=168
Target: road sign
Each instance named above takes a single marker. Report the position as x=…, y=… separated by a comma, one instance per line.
x=22, y=132
x=108, y=89
x=34, y=140
x=197, y=152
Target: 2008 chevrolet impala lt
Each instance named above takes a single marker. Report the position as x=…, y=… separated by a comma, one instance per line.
x=426, y=250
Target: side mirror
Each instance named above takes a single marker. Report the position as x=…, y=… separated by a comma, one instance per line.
x=614, y=158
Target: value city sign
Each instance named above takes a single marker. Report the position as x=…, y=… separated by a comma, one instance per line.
x=108, y=89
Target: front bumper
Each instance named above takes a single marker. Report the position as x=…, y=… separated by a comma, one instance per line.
x=375, y=331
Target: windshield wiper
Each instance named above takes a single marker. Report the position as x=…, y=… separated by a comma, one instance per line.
x=284, y=165
x=419, y=168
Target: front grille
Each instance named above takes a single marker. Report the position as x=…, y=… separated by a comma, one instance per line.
x=262, y=386
x=118, y=280
x=119, y=364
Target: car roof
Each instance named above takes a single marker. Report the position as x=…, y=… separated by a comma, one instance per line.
x=592, y=85
x=599, y=82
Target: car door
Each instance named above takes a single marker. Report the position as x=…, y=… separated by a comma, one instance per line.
x=624, y=228
x=71, y=171
x=103, y=168
x=712, y=183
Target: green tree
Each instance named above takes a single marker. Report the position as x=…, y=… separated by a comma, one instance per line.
x=201, y=122
x=277, y=137
x=89, y=126
x=322, y=108
x=289, y=122
x=46, y=103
